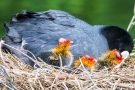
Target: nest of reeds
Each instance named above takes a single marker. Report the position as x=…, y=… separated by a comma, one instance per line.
x=16, y=75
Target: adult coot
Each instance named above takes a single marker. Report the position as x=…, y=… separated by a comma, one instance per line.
x=39, y=32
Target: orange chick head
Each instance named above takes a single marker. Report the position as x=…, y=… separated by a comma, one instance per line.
x=64, y=40
x=112, y=58
x=62, y=49
x=87, y=61
x=118, y=57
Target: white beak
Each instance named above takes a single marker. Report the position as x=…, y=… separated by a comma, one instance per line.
x=96, y=60
x=124, y=54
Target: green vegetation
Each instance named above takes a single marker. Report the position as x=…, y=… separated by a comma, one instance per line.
x=104, y=12
x=131, y=24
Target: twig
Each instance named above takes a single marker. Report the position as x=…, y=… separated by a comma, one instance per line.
x=1, y=41
x=115, y=84
x=51, y=67
x=40, y=85
x=88, y=73
x=36, y=75
x=5, y=74
x=130, y=24
x=1, y=55
x=79, y=86
x=66, y=88
x=55, y=80
x=125, y=85
x=60, y=61
x=23, y=54
x=124, y=77
x=31, y=87
x=6, y=85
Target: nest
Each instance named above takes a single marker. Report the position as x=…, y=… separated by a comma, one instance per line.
x=16, y=75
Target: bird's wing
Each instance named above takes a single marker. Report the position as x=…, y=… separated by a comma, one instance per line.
x=39, y=32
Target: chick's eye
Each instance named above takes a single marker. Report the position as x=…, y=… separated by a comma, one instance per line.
x=117, y=56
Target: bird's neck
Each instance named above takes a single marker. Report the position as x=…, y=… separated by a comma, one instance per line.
x=62, y=49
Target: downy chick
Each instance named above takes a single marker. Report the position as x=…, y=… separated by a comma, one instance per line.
x=110, y=59
x=87, y=61
x=61, y=55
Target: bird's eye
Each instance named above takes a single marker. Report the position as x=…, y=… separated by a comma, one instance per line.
x=88, y=58
x=119, y=57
